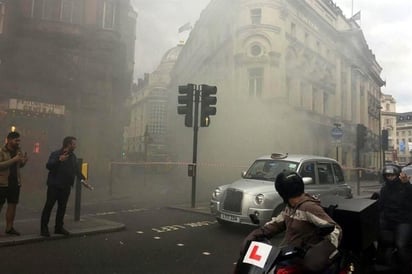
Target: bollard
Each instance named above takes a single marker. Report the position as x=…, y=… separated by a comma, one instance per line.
x=78, y=192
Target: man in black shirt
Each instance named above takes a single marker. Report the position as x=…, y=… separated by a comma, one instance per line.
x=63, y=169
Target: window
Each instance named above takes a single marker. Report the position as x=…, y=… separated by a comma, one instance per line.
x=71, y=11
x=313, y=99
x=44, y=9
x=293, y=29
x=308, y=170
x=256, y=16
x=109, y=11
x=256, y=50
x=325, y=173
x=37, y=8
x=302, y=94
x=338, y=174
x=2, y=14
x=325, y=103
x=157, y=119
x=255, y=81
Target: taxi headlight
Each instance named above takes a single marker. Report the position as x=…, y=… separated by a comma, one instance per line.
x=259, y=199
x=216, y=193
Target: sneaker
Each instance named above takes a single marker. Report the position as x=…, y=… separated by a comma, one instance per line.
x=61, y=230
x=12, y=231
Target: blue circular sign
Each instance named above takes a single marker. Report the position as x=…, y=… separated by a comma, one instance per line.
x=337, y=133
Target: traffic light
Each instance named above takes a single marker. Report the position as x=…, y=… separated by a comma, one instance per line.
x=385, y=139
x=361, y=136
x=207, y=104
x=186, y=102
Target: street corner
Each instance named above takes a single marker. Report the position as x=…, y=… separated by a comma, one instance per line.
x=93, y=225
x=85, y=226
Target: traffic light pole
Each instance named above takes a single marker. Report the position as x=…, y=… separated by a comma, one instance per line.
x=195, y=132
x=189, y=95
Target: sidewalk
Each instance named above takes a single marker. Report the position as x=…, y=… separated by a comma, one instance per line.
x=85, y=226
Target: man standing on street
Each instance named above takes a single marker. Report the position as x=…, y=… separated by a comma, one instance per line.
x=11, y=160
x=63, y=169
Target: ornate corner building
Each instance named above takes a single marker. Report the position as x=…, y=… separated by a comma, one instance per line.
x=66, y=68
x=145, y=138
x=286, y=72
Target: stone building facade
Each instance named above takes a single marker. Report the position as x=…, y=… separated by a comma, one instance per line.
x=286, y=72
x=388, y=122
x=404, y=137
x=68, y=65
x=145, y=137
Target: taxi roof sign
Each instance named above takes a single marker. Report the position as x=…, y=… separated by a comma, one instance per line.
x=278, y=155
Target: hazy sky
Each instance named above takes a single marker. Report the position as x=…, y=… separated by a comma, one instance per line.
x=386, y=25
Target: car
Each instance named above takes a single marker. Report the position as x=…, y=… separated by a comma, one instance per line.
x=255, y=192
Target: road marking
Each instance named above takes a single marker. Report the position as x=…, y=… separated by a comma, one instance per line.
x=131, y=210
x=170, y=228
x=103, y=213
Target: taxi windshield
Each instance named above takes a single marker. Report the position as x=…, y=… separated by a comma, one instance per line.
x=269, y=169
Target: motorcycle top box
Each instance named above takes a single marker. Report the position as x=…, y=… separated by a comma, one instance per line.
x=359, y=219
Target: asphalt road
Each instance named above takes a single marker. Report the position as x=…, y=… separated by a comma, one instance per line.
x=157, y=240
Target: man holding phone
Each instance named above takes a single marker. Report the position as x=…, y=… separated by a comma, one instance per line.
x=63, y=169
x=11, y=160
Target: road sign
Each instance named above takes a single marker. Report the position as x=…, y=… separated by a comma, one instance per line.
x=337, y=133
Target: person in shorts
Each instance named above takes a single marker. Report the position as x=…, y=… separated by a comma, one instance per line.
x=11, y=160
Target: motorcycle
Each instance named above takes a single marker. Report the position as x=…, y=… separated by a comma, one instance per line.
x=262, y=257
x=358, y=219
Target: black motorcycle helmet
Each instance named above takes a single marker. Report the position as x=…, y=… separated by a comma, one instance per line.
x=391, y=169
x=289, y=184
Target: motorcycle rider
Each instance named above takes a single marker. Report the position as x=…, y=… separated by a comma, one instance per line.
x=395, y=204
x=301, y=218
